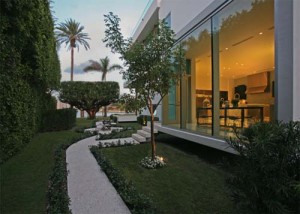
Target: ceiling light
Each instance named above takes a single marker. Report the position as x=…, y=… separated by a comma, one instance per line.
x=261, y=33
x=226, y=49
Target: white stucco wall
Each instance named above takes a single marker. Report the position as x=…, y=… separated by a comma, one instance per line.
x=182, y=11
x=296, y=83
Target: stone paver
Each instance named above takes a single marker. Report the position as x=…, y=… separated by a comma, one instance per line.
x=89, y=189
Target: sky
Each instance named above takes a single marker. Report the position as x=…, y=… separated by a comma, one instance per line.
x=90, y=14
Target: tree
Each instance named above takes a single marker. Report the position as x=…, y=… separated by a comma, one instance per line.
x=152, y=66
x=89, y=96
x=104, y=67
x=131, y=103
x=71, y=33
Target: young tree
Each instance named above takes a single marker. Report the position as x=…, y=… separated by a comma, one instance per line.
x=152, y=66
x=131, y=103
x=71, y=33
x=89, y=96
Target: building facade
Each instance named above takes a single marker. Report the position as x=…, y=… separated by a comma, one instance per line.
x=242, y=65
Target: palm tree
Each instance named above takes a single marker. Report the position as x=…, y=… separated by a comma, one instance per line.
x=71, y=33
x=104, y=67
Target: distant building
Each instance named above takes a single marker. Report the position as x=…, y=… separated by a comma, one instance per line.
x=61, y=105
x=242, y=65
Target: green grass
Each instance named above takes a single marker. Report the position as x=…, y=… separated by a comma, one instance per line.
x=84, y=123
x=24, y=178
x=186, y=185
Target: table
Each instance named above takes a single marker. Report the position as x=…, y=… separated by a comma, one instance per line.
x=226, y=109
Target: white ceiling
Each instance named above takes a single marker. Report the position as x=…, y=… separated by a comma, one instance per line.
x=246, y=45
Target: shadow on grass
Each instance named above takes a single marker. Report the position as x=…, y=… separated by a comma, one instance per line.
x=207, y=154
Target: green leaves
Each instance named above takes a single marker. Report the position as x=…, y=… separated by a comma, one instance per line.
x=113, y=36
x=29, y=70
x=102, y=66
x=268, y=172
x=89, y=96
x=71, y=33
x=150, y=64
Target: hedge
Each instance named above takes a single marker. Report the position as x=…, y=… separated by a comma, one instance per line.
x=57, y=120
x=135, y=201
x=30, y=70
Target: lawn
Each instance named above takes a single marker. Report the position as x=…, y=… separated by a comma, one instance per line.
x=24, y=178
x=188, y=184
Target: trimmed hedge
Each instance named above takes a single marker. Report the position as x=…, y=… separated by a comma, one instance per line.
x=136, y=202
x=30, y=69
x=89, y=96
x=57, y=120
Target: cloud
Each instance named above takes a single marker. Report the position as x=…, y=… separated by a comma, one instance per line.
x=78, y=69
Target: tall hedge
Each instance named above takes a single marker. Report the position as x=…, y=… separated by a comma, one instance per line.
x=58, y=120
x=30, y=69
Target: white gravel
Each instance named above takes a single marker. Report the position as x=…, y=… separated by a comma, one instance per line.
x=89, y=189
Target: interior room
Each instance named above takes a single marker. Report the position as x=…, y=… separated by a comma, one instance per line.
x=244, y=40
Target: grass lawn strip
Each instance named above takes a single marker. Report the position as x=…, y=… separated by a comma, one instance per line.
x=24, y=178
x=185, y=185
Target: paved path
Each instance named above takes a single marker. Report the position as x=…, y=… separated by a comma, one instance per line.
x=88, y=187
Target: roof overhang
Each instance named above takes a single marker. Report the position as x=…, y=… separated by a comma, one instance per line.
x=148, y=22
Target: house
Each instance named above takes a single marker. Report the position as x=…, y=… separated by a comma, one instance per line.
x=242, y=65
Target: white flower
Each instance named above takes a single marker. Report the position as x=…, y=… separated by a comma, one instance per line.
x=147, y=162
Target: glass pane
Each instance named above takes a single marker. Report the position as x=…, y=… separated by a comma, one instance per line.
x=198, y=82
x=172, y=103
x=246, y=52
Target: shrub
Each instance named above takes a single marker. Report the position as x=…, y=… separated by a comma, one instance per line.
x=267, y=177
x=148, y=163
x=136, y=202
x=57, y=120
x=113, y=118
x=142, y=118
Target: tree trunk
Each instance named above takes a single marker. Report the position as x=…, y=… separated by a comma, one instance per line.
x=105, y=111
x=91, y=113
x=153, y=144
x=136, y=112
x=72, y=62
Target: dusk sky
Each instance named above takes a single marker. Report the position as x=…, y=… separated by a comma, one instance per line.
x=90, y=14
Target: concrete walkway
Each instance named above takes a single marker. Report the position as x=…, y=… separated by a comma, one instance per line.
x=89, y=189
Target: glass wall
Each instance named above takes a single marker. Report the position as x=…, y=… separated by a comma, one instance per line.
x=229, y=79
x=197, y=83
x=245, y=32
